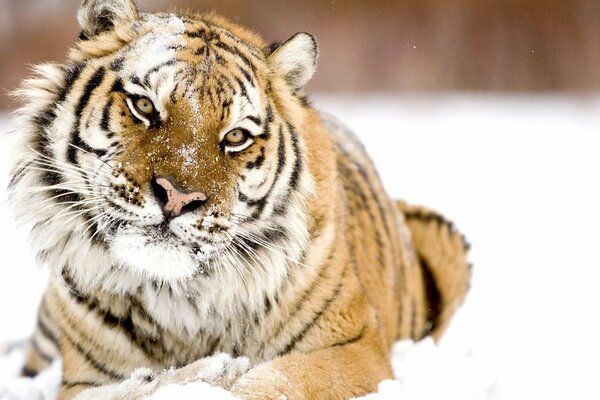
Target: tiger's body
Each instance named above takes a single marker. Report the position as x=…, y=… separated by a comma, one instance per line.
x=203, y=222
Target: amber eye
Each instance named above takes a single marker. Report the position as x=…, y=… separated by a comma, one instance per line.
x=144, y=105
x=235, y=137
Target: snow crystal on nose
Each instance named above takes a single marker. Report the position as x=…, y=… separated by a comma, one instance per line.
x=188, y=155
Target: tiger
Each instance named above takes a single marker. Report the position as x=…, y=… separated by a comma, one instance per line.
x=203, y=222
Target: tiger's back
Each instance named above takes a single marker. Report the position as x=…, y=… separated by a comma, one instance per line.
x=409, y=281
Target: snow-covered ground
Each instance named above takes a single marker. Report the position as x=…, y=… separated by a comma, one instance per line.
x=520, y=176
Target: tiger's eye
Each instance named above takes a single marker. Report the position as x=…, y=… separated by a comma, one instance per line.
x=236, y=136
x=144, y=105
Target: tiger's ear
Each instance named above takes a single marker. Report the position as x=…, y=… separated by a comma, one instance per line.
x=295, y=59
x=99, y=16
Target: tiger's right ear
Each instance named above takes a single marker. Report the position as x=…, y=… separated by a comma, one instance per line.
x=99, y=16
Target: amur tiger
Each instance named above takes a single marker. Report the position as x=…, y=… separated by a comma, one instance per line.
x=202, y=222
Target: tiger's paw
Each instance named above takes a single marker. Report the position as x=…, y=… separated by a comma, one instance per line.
x=218, y=370
x=141, y=383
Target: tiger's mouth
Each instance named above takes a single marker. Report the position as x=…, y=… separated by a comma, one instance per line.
x=159, y=252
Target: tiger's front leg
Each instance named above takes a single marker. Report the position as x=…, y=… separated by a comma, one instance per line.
x=218, y=370
x=345, y=370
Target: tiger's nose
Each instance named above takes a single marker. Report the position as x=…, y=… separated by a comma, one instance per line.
x=173, y=201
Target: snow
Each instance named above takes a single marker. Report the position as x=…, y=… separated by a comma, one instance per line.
x=191, y=391
x=43, y=387
x=519, y=175
x=424, y=371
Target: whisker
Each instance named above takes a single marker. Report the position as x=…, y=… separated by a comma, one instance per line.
x=89, y=152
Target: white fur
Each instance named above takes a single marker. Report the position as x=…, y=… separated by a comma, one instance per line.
x=165, y=260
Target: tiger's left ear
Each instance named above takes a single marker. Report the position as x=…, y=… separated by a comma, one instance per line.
x=99, y=16
x=295, y=59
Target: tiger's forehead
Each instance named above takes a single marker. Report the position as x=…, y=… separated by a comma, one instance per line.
x=202, y=45
x=175, y=59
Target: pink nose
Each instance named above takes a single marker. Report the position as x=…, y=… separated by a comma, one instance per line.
x=173, y=201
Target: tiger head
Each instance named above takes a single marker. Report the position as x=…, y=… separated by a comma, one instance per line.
x=168, y=144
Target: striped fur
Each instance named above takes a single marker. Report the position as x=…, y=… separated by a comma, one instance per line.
x=298, y=266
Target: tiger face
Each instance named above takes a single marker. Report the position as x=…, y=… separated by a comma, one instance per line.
x=171, y=147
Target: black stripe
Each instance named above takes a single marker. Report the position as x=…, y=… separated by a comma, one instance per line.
x=28, y=372
x=314, y=284
x=354, y=187
x=267, y=129
x=299, y=336
x=18, y=173
x=72, y=384
x=274, y=234
x=258, y=162
x=434, y=298
x=98, y=238
x=135, y=80
x=353, y=339
x=253, y=50
x=94, y=81
x=71, y=75
x=247, y=76
x=225, y=108
x=245, y=199
x=268, y=305
x=225, y=81
x=368, y=183
x=148, y=343
x=95, y=363
x=208, y=92
x=213, y=345
x=117, y=87
x=300, y=303
x=281, y=161
x=92, y=84
x=237, y=53
x=305, y=101
x=104, y=123
x=243, y=90
x=428, y=217
x=44, y=330
x=256, y=120
x=201, y=34
x=439, y=219
x=281, y=207
x=413, y=319
x=117, y=64
x=374, y=195
x=43, y=120
x=73, y=290
x=39, y=350
x=156, y=68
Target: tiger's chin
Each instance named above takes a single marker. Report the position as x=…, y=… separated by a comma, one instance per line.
x=158, y=254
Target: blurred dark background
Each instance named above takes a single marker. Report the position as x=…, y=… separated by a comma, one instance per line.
x=375, y=45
